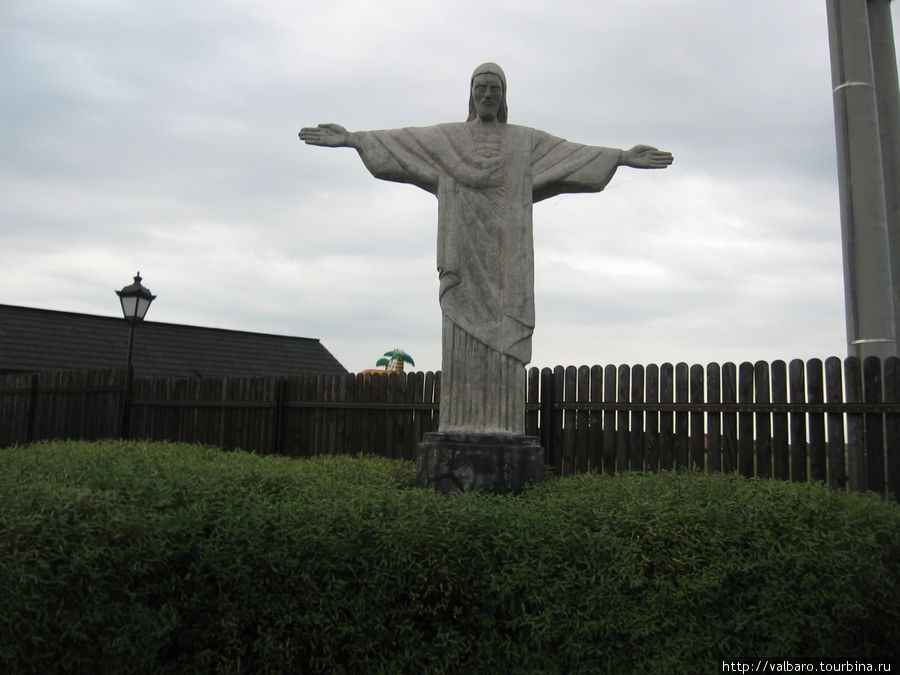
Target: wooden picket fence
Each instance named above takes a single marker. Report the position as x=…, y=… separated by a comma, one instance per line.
x=832, y=421
x=299, y=415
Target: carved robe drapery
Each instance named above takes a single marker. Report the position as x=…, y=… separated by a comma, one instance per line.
x=486, y=183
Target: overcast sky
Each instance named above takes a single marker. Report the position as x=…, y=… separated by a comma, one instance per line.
x=162, y=137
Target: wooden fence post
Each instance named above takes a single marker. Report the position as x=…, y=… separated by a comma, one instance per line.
x=836, y=446
x=278, y=417
x=729, y=419
x=569, y=389
x=548, y=421
x=763, y=420
x=797, y=388
x=533, y=402
x=651, y=419
x=713, y=418
x=623, y=394
x=746, y=448
x=682, y=417
x=856, y=464
x=892, y=426
x=781, y=465
x=32, y=408
x=595, y=437
x=637, y=438
x=697, y=444
x=126, y=402
x=666, y=395
x=583, y=419
x=874, y=426
x=556, y=431
x=609, y=420
x=815, y=388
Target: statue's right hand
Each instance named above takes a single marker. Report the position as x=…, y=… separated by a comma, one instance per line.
x=329, y=135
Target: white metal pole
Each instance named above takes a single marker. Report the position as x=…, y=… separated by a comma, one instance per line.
x=867, y=273
x=887, y=95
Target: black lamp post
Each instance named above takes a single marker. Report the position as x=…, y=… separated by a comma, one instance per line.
x=135, y=301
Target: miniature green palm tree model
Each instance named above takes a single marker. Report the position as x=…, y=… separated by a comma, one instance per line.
x=396, y=361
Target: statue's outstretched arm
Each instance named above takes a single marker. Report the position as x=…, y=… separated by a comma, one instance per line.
x=383, y=154
x=645, y=157
x=328, y=135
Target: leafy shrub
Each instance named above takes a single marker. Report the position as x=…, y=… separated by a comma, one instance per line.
x=140, y=557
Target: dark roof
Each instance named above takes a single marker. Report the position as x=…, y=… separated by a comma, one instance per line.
x=35, y=340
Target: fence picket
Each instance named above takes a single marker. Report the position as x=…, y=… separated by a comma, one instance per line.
x=636, y=438
x=682, y=420
x=746, y=449
x=532, y=402
x=651, y=419
x=410, y=432
x=874, y=426
x=570, y=385
x=856, y=464
x=595, y=438
x=763, y=449
x=781, y=464
x=666, y=436
x=713, y=418
x=818, y=454
x=892, y=426
x=559, y=391
x=697, y=424
x=610, y=388
x=623, y=394
x=798, y=454
x=548, y=416
x=583, y=419
x=729, y=419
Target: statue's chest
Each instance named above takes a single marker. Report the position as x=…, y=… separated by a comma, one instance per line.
x=487, y=146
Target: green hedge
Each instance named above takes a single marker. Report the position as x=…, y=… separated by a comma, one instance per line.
x=154, y=558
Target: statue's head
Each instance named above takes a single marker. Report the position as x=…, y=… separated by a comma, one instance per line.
x=483, y=87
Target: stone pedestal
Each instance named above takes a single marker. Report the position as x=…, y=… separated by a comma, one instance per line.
x=460, y=463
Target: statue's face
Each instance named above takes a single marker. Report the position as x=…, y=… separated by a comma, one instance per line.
x=487, y=94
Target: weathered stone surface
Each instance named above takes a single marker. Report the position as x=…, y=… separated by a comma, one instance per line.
x=461, y=463
x=486, y=174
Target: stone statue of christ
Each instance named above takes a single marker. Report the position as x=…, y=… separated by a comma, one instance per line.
x=486, y=175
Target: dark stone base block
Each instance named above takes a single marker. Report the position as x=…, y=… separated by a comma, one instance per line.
x=460, y=463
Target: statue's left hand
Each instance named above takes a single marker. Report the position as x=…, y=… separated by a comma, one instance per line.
x=646, y=157
x=329, y=135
